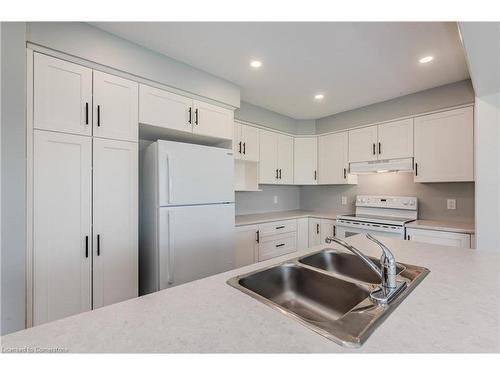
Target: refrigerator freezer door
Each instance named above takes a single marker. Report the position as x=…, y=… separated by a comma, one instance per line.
x=195, y=242
x=192, y=174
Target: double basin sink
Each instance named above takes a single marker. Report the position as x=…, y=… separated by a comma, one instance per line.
x=329, y=292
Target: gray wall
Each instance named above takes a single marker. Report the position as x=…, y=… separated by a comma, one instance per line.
x=13, y=193
x=431, y=197
x=454, y=94
x=263, y=201
x=261, y=116
x=90, y=43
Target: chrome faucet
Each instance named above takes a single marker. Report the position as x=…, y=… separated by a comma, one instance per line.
x=389, y=286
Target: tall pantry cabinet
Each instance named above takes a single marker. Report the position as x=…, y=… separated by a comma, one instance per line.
x=85, y=189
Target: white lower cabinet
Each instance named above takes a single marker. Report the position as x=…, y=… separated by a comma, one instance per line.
x=327, y=229
x=319, y=229
x=302, y=233
x=256, y=243
x=437, y=237
x=246, y=245
x=115, y=255
x=77, y=267
x=62, y=225
x=314, y=232
x=276, y=245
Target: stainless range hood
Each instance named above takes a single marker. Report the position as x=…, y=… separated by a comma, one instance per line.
x=379, y=166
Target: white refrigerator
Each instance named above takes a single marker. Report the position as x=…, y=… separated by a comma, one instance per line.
x=187, y=214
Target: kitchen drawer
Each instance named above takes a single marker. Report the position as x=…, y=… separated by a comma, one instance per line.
x=274, y=246
x=277, y=227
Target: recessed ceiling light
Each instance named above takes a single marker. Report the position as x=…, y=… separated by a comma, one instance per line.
x=319, y=96
x=256, y=64
x=426, y=59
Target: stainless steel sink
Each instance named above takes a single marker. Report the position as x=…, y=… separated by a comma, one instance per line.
x=344, y=264
x=333, y=301
x=313, y=296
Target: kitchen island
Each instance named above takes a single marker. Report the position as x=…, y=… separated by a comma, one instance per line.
x=456, y=308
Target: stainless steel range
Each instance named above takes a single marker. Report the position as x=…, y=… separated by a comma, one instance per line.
x=378, y=215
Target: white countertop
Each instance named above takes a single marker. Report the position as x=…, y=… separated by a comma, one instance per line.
x=454, y=309
x=447, y=226
x=267, y=217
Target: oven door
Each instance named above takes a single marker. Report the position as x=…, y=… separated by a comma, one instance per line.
x=346, y=228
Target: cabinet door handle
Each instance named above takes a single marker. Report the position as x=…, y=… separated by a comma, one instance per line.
x=196, y=116
x=190, y=115
x=86, y=246
x=345, y=173
x=315, y=175
x=379, y=148
x=281, y=244
x=98, y=115
x=86, y=113
x=280, y=227
x=416, y=169
x=373, y=149
x=98, y=245
x=277, y=175
x=244, y=147
x=334, y=231
x=240, y=147
x=258, y=236
x=317, y=228
x=280, y=173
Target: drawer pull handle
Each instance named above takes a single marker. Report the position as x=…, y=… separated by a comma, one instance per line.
x=281, y=244
x=280, y=227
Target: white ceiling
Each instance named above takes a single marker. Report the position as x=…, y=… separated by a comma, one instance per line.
x=353, y=64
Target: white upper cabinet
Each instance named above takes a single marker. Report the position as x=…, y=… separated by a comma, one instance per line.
x=115, y=220
x=444, y=150
x=213, y=121
x=395, y=140
x=276, y=158
x=62, y=96
x=285, y=159
x=165, y=109
x=115, y=107
x=62, y=225
x=333, y=163
x=305, y=161
x=246, y=142
x=268, y=165
x=391, y=140
x=363, y=144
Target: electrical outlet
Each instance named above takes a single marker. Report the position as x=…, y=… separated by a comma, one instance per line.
x=344, y=201
x=451, y=204
x=275, y=199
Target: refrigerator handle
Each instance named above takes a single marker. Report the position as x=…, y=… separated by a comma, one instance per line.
x=169, y=180
x=170, y=268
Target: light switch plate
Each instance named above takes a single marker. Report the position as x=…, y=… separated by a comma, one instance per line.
x=275, y=199
x=451, y=204
x=344, y=201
